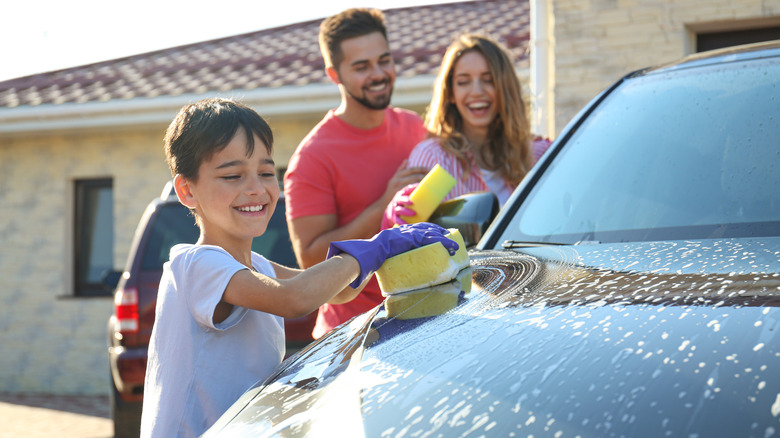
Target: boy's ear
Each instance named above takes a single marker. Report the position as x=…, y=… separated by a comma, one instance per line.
x=183, y=191
x=333, y=74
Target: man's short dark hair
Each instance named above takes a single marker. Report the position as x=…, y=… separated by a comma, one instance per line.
x=204, y=128
x=350, y=23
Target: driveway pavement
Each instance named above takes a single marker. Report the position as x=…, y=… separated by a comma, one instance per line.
x=44, y=415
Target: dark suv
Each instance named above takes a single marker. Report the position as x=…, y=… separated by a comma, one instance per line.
x=165, y=223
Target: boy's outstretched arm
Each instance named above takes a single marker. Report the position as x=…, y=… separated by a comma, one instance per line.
x=349, y=264
x=295, y=296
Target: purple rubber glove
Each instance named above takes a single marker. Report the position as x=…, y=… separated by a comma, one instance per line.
x=371, y=253
x=398, y=207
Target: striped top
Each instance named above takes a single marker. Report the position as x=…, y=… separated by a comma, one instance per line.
x=429, y=152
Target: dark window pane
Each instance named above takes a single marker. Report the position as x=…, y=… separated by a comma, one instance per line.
x=94, y=235
x=719, y=40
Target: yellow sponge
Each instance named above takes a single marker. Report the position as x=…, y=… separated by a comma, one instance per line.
x=429, y=193
x=423, y=303
x=464, y=276
x=424, y=266
x=429, y=301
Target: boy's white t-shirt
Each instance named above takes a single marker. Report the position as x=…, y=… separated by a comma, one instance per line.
x=197, y=370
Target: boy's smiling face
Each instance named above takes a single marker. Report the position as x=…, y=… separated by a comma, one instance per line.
x=235, y=194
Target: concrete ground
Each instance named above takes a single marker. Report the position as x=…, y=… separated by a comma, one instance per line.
x=46, y=415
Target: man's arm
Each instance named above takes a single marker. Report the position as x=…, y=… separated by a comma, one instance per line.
x=311, y=235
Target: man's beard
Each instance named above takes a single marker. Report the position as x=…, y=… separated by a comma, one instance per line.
x=380, y=104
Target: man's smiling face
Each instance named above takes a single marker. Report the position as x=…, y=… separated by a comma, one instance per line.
x=367, y=70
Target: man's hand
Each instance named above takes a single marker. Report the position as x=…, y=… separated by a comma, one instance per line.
x=402, y=178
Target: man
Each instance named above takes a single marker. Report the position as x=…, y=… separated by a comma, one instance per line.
x=348, y=168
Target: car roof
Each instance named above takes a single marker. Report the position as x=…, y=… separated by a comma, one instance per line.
x=763, y=50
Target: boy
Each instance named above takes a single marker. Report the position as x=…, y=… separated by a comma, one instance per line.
x=219, y=325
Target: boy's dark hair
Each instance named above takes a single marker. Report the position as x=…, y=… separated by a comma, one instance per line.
x=204, y=128
x=348, y=24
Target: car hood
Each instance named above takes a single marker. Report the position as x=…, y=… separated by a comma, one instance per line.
x=646, y=339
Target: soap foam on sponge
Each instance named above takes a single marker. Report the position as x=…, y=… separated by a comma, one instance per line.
x=424, y=266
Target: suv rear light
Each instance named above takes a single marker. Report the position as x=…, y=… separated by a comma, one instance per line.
x=126, y=308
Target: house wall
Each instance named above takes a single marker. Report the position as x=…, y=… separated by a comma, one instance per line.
x=599, y=41
x=52, y=341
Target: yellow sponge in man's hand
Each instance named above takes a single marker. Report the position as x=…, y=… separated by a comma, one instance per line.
x=424, y=266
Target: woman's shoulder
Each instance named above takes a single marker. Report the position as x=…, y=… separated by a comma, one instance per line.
x=428, y=147
x=430, y=152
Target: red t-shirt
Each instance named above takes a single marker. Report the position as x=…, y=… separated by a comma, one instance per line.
x=340, y=169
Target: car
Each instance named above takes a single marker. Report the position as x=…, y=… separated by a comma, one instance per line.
x=629, y=287
x=166, y=222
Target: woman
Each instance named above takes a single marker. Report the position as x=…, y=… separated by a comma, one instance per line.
x=477, y=125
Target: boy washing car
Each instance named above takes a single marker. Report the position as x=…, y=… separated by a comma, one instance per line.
x=218, y=326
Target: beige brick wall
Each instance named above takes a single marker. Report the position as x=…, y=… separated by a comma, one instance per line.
x=599, y=41
x=51, y=341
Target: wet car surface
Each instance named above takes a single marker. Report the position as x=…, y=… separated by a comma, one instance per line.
x=630, y=287
x=551, y=343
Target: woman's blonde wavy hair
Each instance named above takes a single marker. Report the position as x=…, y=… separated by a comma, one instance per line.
x=508, y=135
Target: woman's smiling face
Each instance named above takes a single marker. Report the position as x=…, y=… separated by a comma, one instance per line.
x=236, y=193
x=474, y=94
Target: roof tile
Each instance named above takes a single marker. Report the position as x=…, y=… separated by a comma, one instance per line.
x=282, y=56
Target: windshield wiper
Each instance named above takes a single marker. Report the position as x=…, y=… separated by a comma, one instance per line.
x=510, y=244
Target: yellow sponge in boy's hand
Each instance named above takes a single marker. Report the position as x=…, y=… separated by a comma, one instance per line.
x=422, y=303
x=424, y=266
x=429, y=301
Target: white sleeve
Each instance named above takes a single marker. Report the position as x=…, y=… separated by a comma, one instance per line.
x=208, y=272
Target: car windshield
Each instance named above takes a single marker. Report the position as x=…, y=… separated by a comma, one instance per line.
x=692, y=153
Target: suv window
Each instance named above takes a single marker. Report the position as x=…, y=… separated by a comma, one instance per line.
x=175, y=224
